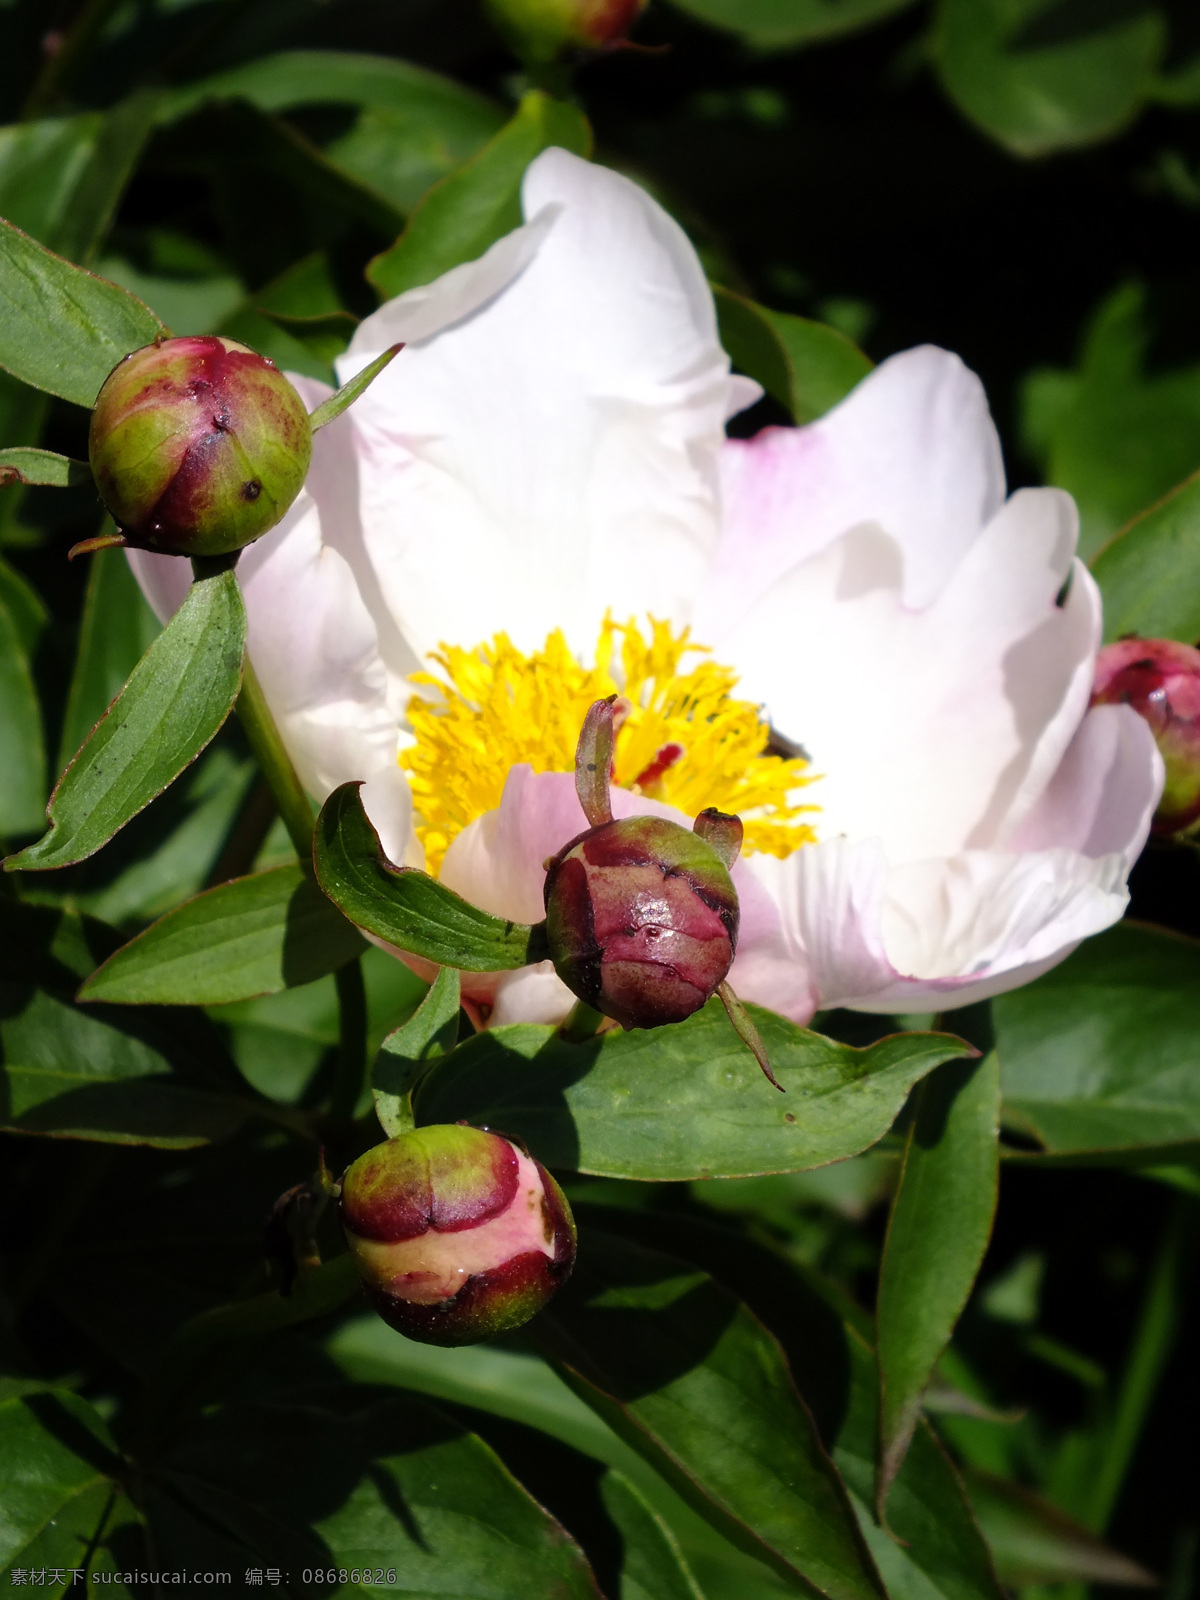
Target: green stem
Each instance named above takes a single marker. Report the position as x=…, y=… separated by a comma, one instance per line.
x=275, y=764
x=1153, y=1339
x=581, y=1022
x=352, y=1040
x=56, y=71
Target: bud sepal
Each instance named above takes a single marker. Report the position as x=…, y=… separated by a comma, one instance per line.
x=1160, y=679
x=458, y=1235
x=198, y=446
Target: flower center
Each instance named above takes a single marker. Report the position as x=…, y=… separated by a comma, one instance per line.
x=683, y=737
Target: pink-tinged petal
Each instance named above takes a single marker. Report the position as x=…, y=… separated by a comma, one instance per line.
x=936, y=934
x=928, y=727
x=531, y=994
x=498, y=863
x=164, y=580
x=1102, y=798
x=912, y=449
x=553, y=452
x=829, y=898
x=420, y=313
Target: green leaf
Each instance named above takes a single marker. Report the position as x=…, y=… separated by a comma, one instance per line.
x=349, y=392
x=782, y=24
x=932, y=1542
x=22, y=746
x=62, y=177
x=63, y=329
x=119, y=140
x=807, y=366
x=414, y=126
x=103, y=1076
x=281, y=1041
x=652, y=1564
x=1034, y=1542
x=167, y=854
x=823, y=1336
x=409, y=1050
x=1116, y=432
x=407, y=908
x=297, y=320
x=116, y=629
x=23, y=465
x=58, y=1464
x=1103, y=1053
x=684, y=1101
x=1043, y=75
x=687, y=1376
x=469, y=210
x=250, y=937
x=940, y=1223
x=361, y=1481
x=521, y=1387
x=325, y=335
x=42, y=165
x=175, y=701
x=1149, y=574
x=26, y=608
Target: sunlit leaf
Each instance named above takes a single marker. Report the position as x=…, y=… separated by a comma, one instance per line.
x=253, y=936
x=406, y=908
x=175, y=701
x=61, y=328
x=1103, y=1053
x=807, y=366
x=939, y=1228
x=480, y=202
x=683, y=1101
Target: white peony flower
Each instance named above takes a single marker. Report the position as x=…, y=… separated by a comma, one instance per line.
x=549, y=452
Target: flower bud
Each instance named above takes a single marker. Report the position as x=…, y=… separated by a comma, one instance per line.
x=540, y=30
x=1160, y=679
x=198, y=446
x=641, y=920
x=456, y=1233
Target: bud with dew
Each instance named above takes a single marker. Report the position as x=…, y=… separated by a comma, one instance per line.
x=1160, y=679
x=542, y=30
x=198, y=446
x=641, y=914
x=458, y=1234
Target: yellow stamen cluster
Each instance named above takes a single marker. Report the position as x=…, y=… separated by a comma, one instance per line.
x=495, y=708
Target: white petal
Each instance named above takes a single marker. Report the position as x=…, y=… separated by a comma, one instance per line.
x=931, y=727
x=985, y=910
x=553, y=452
x=912, y=449
x=937, y=934
x=1102, y=798
x=314, y=647
x=420, y=313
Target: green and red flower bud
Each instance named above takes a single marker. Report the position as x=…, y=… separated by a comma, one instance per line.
x=1160, y=679
x=641, y=920
x=198, y=446
x=457, y=1234
x=541, y=30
